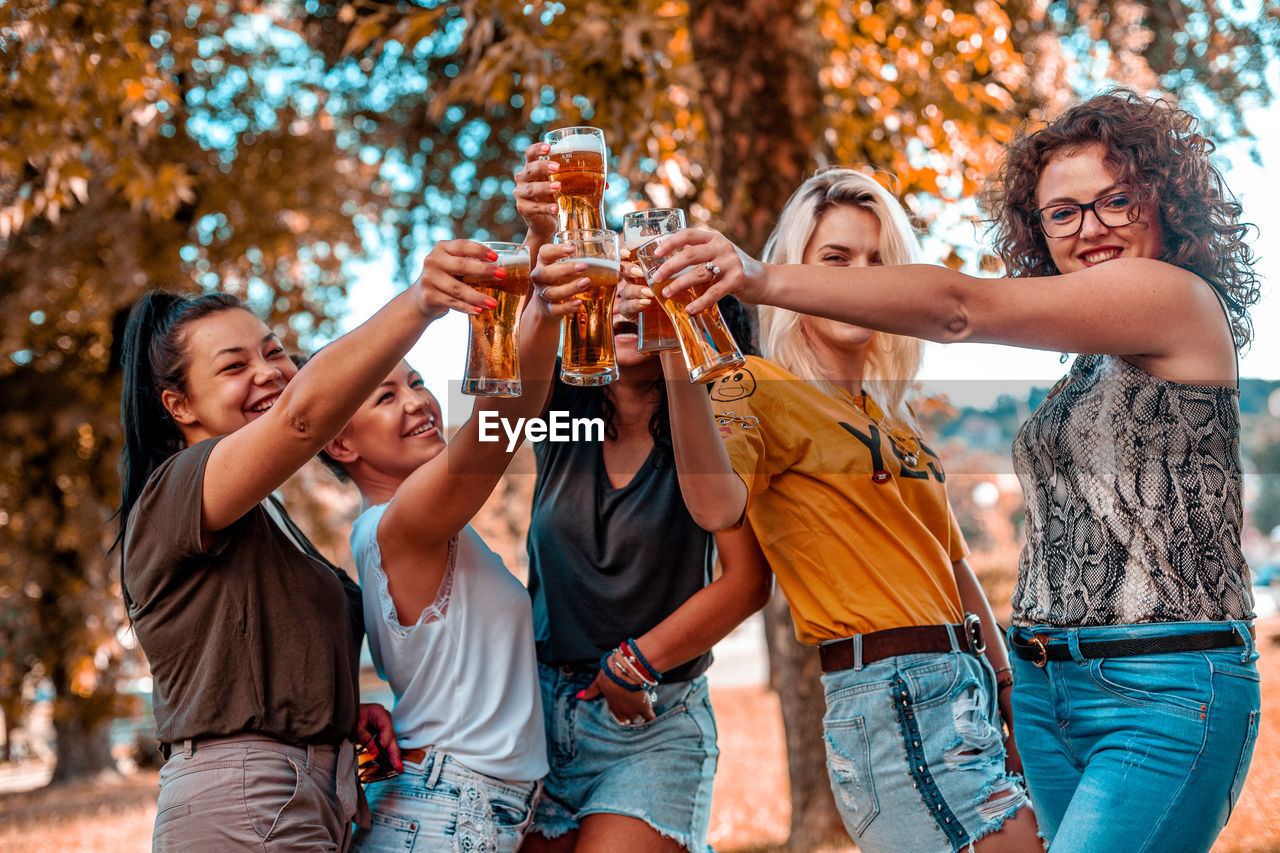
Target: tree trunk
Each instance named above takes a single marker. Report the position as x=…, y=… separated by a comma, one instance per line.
x=794, y=673
x=82, y=726
x=762, y=101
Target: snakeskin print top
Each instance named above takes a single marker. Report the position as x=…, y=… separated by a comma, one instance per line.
x=1132, y=491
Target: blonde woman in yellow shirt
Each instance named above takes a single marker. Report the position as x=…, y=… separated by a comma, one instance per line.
x=850, y=507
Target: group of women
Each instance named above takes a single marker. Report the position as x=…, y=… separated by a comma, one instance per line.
x=575, y=716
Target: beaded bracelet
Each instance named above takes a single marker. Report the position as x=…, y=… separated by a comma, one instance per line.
x=617, y=679
x=630, y=646
x=627, y=669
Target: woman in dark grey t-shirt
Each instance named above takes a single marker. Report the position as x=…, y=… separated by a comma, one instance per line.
x=252, y=637
x=622, y=592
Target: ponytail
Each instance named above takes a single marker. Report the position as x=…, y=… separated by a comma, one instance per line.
x=154, y=359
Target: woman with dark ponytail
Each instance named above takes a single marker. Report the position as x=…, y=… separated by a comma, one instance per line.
x=252, y=636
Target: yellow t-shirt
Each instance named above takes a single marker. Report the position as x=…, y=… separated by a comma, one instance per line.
x=859, y=538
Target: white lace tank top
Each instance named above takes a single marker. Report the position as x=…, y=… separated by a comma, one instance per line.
x=464, y=673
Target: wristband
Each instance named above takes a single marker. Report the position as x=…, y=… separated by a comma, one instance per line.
x=617, y=679
x=635, y=650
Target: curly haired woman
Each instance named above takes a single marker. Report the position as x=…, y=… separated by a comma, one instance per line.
x=1136, y=691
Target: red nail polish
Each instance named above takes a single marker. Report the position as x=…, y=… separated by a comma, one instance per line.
x=581, y=693
x=476, y=310
x=491, y=303
x=499, y=273
x=493, y=256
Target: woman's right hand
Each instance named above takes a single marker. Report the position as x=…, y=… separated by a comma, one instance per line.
x=440, y=286
x=557, y=281
x=715, y=263
x=535, y=193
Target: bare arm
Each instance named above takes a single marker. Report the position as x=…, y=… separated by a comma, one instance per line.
x=256, y=459
x=974, y=601
x=713, y=492
x=713, y=611
x=441, y=497
x=703, y=620
x=1164, y=317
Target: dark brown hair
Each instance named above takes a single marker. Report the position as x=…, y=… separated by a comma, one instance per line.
x=1153, y=148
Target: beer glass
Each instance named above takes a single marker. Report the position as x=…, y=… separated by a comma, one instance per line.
x=705, y=341
x=588, y=333
x=655, y=329
x=582, y=156
x=493, y=352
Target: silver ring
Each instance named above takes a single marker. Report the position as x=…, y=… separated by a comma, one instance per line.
x=712, y=268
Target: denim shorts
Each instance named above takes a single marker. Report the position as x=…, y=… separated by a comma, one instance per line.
x=1138, y=753
x=660, y=772
x=915, y=753
x=441, y=806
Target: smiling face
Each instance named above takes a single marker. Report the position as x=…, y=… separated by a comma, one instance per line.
x=395, y=430
x=846, y=236
x=236, y=369
x=1080, y=176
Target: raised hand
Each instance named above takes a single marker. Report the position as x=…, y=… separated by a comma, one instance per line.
x=716, y=264
x=440, y=287
x=535, y=193
x=558, y=281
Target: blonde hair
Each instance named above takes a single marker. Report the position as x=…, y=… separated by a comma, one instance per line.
x=892, y=360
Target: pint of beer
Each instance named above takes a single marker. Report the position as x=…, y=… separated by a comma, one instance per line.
x=705, y=341
x=655, y=329
x=493, y=352
x=582, y=156
x=588, y=357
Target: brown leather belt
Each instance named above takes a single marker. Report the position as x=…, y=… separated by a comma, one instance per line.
x=916, y=639
x=414, y=755
x=1041, y=649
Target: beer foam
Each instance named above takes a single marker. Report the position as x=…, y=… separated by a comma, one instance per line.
x=579, y=142
x=610, y=264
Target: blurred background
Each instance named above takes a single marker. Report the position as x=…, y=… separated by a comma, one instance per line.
x=305, y=154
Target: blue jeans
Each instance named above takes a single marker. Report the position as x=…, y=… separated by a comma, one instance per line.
x=915, y=753
x=660, y=772
x=1141, y=753
x=441, y=806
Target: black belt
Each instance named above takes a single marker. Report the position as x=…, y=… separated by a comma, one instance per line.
x=1041, y=649
x=916, y=639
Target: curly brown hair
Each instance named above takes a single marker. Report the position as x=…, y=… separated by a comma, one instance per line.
x=1152, y=147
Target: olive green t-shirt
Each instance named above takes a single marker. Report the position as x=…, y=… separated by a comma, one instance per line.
x=257, y=634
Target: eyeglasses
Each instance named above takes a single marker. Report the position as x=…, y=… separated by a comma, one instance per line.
x=1065, y=220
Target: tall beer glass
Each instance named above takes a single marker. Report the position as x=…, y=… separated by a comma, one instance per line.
x=705, y=341
x=655, y=329
x=493, y=352
x=582, y=156
x=588, y=333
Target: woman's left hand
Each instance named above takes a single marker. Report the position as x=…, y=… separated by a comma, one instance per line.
x=375, y=724
x=714, y=263
x=1012, y=760
x=627, y=707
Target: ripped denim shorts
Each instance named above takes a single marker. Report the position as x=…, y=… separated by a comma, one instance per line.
x=915, y=753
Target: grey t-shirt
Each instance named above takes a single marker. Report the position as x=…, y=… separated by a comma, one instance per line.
x=258, y=634
x=606, y=564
